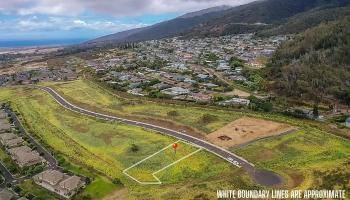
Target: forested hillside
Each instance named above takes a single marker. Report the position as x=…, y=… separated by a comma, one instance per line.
x=305, y=20
x=272, y=17
x=315, y=65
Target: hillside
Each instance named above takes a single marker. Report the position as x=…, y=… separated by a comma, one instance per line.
x=303, y=21
x=257, y=15
x=164, y=29
x=315, y=65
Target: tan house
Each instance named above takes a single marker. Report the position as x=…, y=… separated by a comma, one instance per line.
x=6, y=194
x=14, y=142
x=7, y=136
x=3, y=115
x=59, y=182
x=24, y=156
x=4, y=126
x=10, y=140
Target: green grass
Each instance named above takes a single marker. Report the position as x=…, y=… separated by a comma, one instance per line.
x=99, y=188
x=8, y=162
x=304, y=152
x=30, y=189
x=100, y=148
x=92, y=97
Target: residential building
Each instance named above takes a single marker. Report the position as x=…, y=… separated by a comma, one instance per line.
x=10, y=140
x=24, y=156
x=4, y=126
x=6, y=137
x=175, y=91
x=6, y=194
x=3, y=114
x=58, y=182
x=235, y=101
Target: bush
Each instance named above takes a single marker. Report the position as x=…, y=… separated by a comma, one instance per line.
x=134, y=148
x=116, y=181
x=173, y=113
x=260, y=104
x=208, y=118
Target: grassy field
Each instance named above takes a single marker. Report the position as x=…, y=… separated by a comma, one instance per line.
x=296, y=156
x=103, y=149
x=92, y=97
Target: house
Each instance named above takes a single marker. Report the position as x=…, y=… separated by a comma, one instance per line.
x=6, y=194
x=10, y=140
x=7, y=136
x=160, y=86
x=4, y=126
x=14, y=142
x=235, y=101
x=199, y=97
x=175, y=91
x=24, y=156
x=58, y=182
x=210, y=85
x=347, y=122
x=3, y=115
x=203, y=77
x=136, y=91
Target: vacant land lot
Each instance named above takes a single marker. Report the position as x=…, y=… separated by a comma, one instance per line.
x=245, y=130
x=299, y=155
x=105, y=148
x=145, y=170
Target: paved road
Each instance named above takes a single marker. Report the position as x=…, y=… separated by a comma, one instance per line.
x=6, y=173
x=262, y=177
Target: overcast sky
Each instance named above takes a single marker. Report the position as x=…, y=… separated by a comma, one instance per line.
x=31, y=19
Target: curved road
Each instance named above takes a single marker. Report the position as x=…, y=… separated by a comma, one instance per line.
x=262, y=177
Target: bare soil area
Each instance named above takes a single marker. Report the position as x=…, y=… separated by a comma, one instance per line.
x=118, y=194
x=245, y=130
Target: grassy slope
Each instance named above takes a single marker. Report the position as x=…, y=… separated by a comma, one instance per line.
x=92, y=97
x=308, y=144
x=295, y=156
x=103, y=146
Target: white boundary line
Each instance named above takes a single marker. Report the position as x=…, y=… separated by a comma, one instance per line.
x=158, y=182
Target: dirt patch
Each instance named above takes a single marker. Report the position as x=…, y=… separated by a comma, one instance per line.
x=106, y=137
x=245, y=130
x=118, y=194
x=81, y=128
x=297, y=178
x=237, y=92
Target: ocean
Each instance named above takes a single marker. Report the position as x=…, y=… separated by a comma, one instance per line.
x=43, y=42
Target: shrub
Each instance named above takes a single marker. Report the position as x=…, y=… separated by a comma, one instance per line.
x=173, y=113
x=134, y=148
x=208, y=118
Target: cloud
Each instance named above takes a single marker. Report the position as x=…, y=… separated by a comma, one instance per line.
x=109, y=7
x=65, y=24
